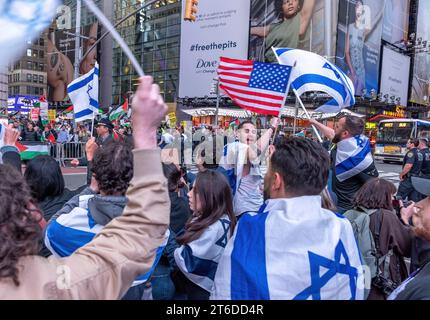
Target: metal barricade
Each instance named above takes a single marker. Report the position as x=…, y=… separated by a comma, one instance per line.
x=67, y=151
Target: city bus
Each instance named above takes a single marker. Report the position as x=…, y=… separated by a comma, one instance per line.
x=393, y=135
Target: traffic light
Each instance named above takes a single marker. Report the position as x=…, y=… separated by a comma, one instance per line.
x=191, y=10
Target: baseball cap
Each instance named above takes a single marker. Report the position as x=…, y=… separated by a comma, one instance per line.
x=421, y=185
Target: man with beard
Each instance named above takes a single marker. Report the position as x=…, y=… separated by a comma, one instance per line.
x=417, y=286
x=279, y=252
x=352, y=163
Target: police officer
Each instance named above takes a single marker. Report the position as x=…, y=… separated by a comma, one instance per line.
x=425, y=151
x=411, y=168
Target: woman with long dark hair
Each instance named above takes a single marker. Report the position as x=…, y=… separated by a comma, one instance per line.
x=206, y=234
x=392, y=240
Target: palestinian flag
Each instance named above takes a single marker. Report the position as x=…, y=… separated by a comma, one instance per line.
x=29, y=152
x=68, y=110
x=119, y=112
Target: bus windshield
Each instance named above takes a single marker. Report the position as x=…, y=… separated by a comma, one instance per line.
x=395, y=132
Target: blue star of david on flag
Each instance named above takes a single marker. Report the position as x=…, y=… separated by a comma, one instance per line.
x=222, y=242
x=334, y=267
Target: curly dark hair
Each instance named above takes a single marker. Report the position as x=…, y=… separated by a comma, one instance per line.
x=112, y=167
x=20, y=232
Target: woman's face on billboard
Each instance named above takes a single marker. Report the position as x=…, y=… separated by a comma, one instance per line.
x=290, y=8
x=359, y=9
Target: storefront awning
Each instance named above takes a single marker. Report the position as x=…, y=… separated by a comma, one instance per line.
x=288, y=112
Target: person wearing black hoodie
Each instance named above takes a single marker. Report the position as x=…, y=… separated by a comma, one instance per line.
x=163, y=287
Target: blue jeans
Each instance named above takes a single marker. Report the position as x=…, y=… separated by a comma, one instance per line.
x=162, y=285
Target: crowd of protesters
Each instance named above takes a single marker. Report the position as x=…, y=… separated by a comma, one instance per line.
x=60, y=131
x=143, y=229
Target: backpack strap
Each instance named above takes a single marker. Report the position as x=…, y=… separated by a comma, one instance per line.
x=385, y=259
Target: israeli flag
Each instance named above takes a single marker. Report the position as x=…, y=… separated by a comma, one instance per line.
x=198, y=260
x=291, y=250
x=74, y=230
x=233, y=161
x=314, y=73
x=22, y=21
x=353, y=156
x=84, y=94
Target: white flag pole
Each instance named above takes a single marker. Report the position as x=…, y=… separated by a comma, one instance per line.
x=307, y=115
x=300, y=100
x=92, y=125
x=90, y=4
x=280, y=115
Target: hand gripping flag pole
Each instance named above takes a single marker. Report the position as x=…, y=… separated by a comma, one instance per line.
x=300, y=102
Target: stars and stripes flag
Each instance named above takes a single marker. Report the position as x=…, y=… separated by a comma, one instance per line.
x=255, y=86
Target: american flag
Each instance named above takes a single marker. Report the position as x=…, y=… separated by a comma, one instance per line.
x=255, y=86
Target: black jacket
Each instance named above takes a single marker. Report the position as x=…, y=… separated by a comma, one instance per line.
x=179, y=212
x=29, y=135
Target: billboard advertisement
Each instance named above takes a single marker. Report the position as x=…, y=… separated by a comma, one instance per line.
x=395, y=75
x=61, y=53
x=359, y=42
x=21, y=103
x=301, y=24
x=421, y=76
x=221, y=29
x=396, y=21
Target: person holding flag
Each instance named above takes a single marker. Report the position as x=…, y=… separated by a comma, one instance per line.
x=352, y=163
x=292, y=249
x=256, y=87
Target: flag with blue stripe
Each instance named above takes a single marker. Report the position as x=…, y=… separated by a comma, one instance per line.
x=198, y=260
x=353, y=156
x=291, y=250
x=84, y=94
x=21, y=21
x=74, y=230
x=312, y=72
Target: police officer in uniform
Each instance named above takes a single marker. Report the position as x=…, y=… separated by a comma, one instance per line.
x=411, y=168
x=425, y=151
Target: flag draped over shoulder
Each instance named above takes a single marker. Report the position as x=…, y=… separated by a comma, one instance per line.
x=21, y=21
x=312, y=72
x=291, y=250
x=352, y=157
x=84, y=94
x=255, y=86
x=198, y=260
x=75, y=229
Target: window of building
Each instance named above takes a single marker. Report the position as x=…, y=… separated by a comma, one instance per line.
x=40, y=79
x=29, y=77
x=28, y=52
x=35, y=78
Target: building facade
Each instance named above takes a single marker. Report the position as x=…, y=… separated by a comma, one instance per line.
x=153, y=34
x=3, y=88
x=28, y=75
